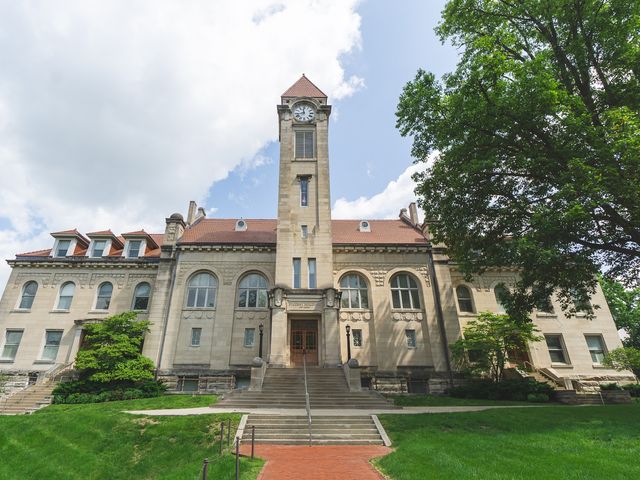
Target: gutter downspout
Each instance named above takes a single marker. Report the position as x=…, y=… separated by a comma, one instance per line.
x=166, y=315
x=439, y=315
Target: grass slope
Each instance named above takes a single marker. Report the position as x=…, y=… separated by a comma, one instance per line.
x=98, y=441
x=547, y=442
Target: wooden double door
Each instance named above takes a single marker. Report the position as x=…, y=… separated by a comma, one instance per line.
x=304, y=339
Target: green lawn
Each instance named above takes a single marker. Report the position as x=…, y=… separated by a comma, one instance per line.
x=98, y=441
x=439, y=401
x=548, y=442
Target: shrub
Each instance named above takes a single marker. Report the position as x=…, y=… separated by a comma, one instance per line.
x=518, y=389
x=633, y=388
x=610, y=386
x=84, y=391
x=538, y=398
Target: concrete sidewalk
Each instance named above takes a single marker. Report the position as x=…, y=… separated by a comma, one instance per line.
x=318, y=412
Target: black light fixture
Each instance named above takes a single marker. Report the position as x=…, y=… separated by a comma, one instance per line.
x=261, y=328
x=348, y=329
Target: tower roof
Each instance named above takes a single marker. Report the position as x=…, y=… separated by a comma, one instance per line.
x=304, y=88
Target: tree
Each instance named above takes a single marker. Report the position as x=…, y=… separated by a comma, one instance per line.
x=111, y=353
x=536, y=139
x=627, y=358
x=625, y=309
x=488, y=341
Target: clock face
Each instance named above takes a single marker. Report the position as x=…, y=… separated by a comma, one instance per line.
x=304, y=113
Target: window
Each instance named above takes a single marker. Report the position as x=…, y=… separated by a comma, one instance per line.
x=354, y=291
x=241, y=226
x=411, y=338
x=365, y=226
x=296, y=272
x=596, y=348
x=188, y=384
x=104, y=296
x=201, y=292
x=196, y=333
x=304, y=144
x=304, y=231
x=500, y=292
x=66, y=296
x=304, y=191
x=28, y=294
x=62, y=248
x=252, y=291
x=356, y=337
x=556, y=349
x=51, y=345
x=249, y=337
x=465, y=302
x=404, y=292
x=134, y=248
x=581, y=303
x=12, y=340
x=312, y=272
x=141, y=296
x=98, y=248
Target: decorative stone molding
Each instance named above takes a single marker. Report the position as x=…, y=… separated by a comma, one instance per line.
x=80, y=279
x=251, y=315
x=41, y=278
x=379, y=271
x=135, y=278
x=407, y=316
x=96, y=278
x=347, y=316
x=198, y=314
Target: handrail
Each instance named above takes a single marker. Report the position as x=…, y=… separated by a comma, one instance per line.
x=306, y=393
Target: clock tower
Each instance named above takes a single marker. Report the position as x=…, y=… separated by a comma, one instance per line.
x=304, y=255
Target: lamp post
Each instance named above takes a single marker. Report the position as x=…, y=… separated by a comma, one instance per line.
x=348, y=329
x=261, y=328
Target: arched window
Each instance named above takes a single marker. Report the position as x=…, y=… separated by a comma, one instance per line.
x=465, y=302
x=404, y=291
x=105, y=290
x=354, y=291
x=141, y=296
x=252, y=291
x=66, y=296
x=28, y=294
x=201, y=291
x=500, y=292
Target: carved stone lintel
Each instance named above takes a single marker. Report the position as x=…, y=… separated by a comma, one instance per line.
x=198, y=314
x=407, y=316
x=347, y=316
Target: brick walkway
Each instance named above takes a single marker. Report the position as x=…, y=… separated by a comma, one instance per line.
x=286, y=462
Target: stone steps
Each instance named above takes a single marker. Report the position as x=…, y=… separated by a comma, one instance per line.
x=28, y=400
x=325, y=430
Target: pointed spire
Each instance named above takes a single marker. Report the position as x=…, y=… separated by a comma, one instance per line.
x=304, y=88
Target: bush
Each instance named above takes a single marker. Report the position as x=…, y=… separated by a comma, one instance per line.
x=517, y=390
x=538, y=398
x=84, y=391
x=633, y=388
x=610, y=386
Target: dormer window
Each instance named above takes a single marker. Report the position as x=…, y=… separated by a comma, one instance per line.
x=98, y=247
x=62, y=248
x=364, y=226
x=134, y=248
x=241, y=225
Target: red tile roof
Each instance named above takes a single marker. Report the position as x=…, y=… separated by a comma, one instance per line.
x=304, y=88
x=263, y=231
x=67, y=232
x=37, y=253
x=222, y=231
x=101, y=233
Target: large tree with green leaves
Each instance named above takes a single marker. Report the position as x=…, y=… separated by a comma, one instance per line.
x=536, y=139
x=625, y=308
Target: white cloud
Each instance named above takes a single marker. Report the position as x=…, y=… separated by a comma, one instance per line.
x=115, y=114
x=386, y=204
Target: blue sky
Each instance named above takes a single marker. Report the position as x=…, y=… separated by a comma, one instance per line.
x=366, y=150
x=116, y=114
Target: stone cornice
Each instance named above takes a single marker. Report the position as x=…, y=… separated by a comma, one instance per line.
x=227, y=248
x=74, y=262
x=373, y=248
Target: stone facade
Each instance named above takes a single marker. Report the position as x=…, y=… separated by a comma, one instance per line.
x=402, y=319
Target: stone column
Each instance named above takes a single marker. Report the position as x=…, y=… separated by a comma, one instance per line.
x=278, y=351
x=330, y=330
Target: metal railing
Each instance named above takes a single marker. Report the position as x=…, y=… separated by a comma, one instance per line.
x=306, y=394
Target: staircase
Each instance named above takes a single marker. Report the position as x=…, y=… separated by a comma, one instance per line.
x=284, y=388
x=325, y=430
x=28, y=400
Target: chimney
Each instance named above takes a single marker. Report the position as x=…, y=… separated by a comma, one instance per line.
x=403, y=213
x=192, y=212
x=173, y=231
x=413, y=213
x=201, y=214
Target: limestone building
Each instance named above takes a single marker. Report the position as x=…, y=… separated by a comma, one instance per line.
x=210, y=287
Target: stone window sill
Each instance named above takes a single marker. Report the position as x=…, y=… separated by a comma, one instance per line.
x=546, y=315
x=561, y=365
x=43, y=362
x=199, y=309
x=6, y=360
x=21, y=310
x=98, y=312
x=59, y=311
